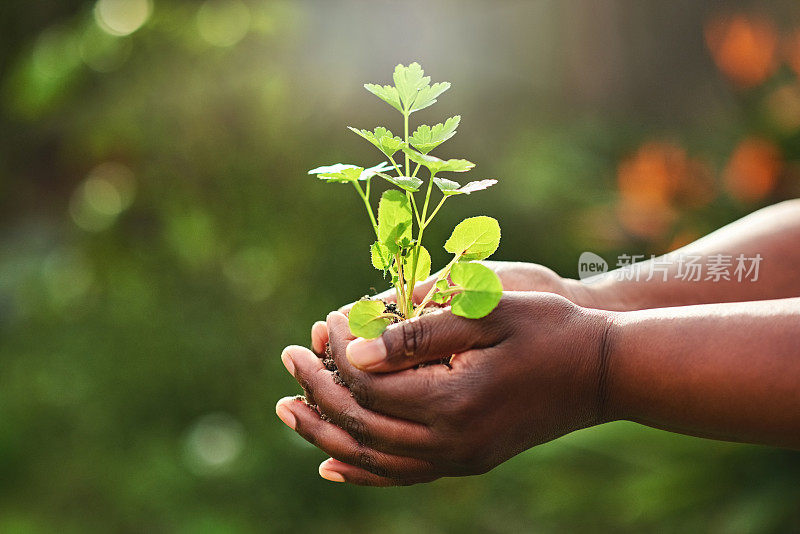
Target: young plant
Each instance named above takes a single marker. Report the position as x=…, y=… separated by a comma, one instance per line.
x=472, y=289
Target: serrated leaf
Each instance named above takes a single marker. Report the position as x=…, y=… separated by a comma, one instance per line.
x=408, y=81
x=449, y=187
x=331, y=169
x=482, y=290
x=407, y=183
x=365, y=319
x=425, y=138
x=381, y=138
x=381, y=257
x=423, y=265
x=428, y=94
x=342, y=173
x=475, y=238
x=387, y=93
x=436, y=165
x=394, y=220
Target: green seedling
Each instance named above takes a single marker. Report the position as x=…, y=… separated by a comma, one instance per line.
x=472, y=289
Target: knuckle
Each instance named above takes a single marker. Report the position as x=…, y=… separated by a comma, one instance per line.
x=355, y=427
x=413, y=337
x=366, y=459
x=361, y=391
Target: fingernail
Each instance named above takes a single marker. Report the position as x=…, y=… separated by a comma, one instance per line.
x=286, y=358
x=366, y=353
x=329, y=474
x=285, y=415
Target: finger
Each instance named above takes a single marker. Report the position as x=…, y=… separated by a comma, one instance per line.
x=407, y=395
x=371, y=429
x=423, y=339
x=340, y=445
x=319, y=337
x=336, y=471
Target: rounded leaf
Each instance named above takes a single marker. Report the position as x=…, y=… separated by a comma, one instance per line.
x=481, y=292
x=475, y=238
x=366, y=319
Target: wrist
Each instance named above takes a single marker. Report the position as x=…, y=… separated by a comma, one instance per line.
x=604, y=399
x=606, y=294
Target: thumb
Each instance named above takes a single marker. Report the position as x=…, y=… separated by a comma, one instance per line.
x=429, y=337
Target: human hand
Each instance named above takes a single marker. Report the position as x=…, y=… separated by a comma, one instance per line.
x=529, y=372
x=514, y=275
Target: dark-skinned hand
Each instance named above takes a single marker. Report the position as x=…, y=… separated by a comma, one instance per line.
x=527, y=373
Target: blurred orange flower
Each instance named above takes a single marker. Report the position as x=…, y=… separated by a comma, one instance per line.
x=753, y=170
x=743, y=47
x=658, y=177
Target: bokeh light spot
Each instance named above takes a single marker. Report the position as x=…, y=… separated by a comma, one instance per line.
x=102, y=196
x=214, y=443
x=752, y=172
x=654, y=181
x=223, y=22
x=743, y=47
x=122, y=17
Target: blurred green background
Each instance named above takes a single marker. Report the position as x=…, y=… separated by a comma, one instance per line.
x=160, y=242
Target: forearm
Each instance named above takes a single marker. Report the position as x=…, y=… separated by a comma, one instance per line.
x=772, y=233
x=726, y=371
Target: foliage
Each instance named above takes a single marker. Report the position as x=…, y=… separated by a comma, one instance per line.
x=397, y=252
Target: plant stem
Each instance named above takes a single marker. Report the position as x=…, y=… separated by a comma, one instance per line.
x=401, y=288
x=418, y=246
x=365, y=198
x=405, y=136
x=442, y=275
x=441, y=203
x=415, y=171
x=396, y=167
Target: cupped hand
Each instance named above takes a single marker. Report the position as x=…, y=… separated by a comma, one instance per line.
x=515, y=276
x=529, y=372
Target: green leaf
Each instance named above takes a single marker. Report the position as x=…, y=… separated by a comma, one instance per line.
x=425, y=138
x=407, y=183
x=408, y=81
x=475, y=238
x=343, y=173
x=387, y=93
x=449, y=187
x=436, y=165
x=482, y=290
x=441, y=285
x=381, y=257
x=423, y=265
x=427, y=95
x=394, y=220
x=366, y=319
x=381, y=138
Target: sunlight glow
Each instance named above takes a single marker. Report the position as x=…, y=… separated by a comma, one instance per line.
x=122, y=17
